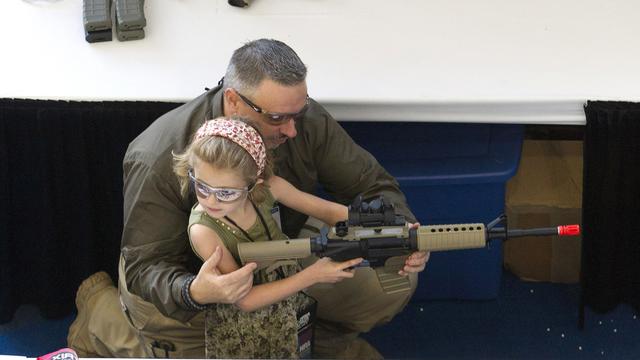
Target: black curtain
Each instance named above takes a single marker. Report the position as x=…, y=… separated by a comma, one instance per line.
x=61, y=196
x=611, y=206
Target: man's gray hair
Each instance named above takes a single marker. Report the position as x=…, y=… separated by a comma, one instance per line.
x=260, y=59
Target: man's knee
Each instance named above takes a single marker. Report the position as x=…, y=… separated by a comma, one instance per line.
x=359, y=303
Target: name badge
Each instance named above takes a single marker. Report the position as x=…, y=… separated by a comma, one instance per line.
x=275, y=213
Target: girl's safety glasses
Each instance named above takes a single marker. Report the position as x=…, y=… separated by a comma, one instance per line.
x=222, y=194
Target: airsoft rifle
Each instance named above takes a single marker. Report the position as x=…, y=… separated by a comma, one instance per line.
x=376, y=233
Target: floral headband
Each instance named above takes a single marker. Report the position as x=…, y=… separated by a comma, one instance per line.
x=240, y=133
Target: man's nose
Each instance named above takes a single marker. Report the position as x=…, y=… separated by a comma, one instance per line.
x=289, y=128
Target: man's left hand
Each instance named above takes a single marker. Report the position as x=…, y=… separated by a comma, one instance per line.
x=417, y=261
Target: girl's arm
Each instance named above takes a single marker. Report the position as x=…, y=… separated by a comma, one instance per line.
x=219, y=280
x=205, y=241
x=327, y=211
x=322, y=271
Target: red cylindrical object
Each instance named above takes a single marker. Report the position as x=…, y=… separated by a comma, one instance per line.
x=568, y=230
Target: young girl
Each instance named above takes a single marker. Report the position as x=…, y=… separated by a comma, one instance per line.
x=226, y=163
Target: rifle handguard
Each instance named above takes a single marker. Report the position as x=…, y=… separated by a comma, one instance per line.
x=451, y=237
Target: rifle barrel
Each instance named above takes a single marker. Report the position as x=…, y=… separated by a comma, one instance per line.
x=562, y=230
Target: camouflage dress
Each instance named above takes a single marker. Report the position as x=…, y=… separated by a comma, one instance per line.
x=271, y=332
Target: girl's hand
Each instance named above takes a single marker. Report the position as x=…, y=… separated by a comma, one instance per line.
x=326, y=270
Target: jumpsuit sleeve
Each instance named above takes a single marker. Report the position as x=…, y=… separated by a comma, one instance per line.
x=155, y=245
x=345, y=169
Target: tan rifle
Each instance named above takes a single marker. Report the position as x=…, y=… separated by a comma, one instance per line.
x=375, y=233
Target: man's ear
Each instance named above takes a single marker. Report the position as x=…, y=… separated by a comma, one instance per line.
x=231, y=102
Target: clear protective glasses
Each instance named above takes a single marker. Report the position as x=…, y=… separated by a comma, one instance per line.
x=277, y=119
x=222, y=194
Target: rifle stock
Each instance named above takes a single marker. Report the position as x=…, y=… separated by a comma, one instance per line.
x=271, y=254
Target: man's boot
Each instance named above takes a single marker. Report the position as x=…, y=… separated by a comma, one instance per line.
x=80, y=338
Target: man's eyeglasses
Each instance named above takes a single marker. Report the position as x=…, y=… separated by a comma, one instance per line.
x=277, y=118
x=222, y=194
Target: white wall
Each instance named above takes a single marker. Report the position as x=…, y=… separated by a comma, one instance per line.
x=423, y=60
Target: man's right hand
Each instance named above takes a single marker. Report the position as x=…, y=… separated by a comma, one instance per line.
x=210, y=286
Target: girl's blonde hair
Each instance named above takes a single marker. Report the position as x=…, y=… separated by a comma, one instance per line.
x=222, y=153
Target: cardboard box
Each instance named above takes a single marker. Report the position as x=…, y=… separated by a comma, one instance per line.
x=543, y=258
x=546, y=191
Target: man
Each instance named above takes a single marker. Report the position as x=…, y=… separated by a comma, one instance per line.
x=163, y=288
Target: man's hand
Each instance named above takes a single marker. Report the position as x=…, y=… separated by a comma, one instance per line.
x=417, y=261
x=210, y=286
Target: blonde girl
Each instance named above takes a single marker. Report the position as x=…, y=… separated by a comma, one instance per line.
x=226, y=165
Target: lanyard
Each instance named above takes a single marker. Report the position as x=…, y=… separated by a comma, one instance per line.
x=266, y=228
x=264, y=223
